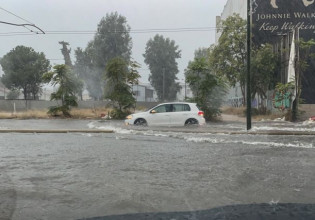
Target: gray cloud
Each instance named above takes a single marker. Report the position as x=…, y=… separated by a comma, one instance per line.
x=81, y=15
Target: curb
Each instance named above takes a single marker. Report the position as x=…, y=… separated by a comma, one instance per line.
x=271, y=132
x=64, y=131
x=59, y=131
x=281, y=133
x=292, y=133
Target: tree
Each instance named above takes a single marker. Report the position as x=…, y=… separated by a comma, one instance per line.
x=23, y=70
x=119, y=78
x=208, y=89
x=68, y=87
x=66, y=54
x=111, y=40
x=264, y=66
x=305, y=54
x=229, y=56
x=160, y=55
x=283, y=95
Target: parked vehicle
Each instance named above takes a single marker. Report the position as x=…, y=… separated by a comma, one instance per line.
x=168, y=114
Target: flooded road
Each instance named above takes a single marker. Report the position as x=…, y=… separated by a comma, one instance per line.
x=82, y=175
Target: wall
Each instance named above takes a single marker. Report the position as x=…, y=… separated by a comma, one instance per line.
x=22, y=105
x=309, y=110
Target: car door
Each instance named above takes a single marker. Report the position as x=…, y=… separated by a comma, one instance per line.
x=180, y=113
x=160, y=115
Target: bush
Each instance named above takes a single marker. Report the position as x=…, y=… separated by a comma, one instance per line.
x=260, y=111
x=13, y=94
x=119, y=114
x=211, y=114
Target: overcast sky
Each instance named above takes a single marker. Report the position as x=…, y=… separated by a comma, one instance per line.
x=84, y=15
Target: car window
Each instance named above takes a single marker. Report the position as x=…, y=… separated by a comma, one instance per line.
x=163, y=108
x=181, y=108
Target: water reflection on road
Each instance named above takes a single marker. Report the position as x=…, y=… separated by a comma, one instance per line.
x=138, y=170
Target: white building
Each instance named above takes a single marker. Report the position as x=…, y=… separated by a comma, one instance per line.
x=231, y=7
x=234, y=96
x=3, y=91
x=144, y=93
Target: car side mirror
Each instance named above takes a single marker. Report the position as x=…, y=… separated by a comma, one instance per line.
x=153, y=112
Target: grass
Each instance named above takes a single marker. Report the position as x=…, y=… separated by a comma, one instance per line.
x=233, y=111
x=42, y=114
x=241, y=113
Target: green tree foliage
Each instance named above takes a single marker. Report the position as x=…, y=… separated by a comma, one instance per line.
x=264, y=67
x=119, y=78
x=68, y=84
x=229, y=56
x=13, y=94
x=306, y=53
x=111, y=40
x=160, y=55
x=23, y=70
x=283, y=94
x=208, y=89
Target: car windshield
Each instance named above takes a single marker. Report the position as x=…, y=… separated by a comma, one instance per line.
x=157, y=109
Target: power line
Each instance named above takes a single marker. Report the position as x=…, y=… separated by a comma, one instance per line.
x=16, y=15
x=26, y=26
x=135, y=31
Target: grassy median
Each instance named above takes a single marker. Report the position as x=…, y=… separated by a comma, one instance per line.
x=94, y=113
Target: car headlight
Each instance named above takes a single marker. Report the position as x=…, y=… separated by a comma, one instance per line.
x=129, y=117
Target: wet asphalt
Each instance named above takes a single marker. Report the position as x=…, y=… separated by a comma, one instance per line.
x=154, y=173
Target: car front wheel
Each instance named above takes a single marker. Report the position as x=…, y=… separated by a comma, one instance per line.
x=141, y=122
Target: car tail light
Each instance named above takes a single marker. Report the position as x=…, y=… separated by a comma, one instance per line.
x=200, y=113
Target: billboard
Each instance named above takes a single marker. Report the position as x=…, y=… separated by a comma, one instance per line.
x=272, y=19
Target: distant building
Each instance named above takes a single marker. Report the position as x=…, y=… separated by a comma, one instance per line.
x=184, y=92
x=231, y=7
x=234, y=96
x=3, y=91
x=144, y=93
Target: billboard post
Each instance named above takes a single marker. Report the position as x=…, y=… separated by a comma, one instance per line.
x=248, y=81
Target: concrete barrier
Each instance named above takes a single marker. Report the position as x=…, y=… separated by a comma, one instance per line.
x=308, y=109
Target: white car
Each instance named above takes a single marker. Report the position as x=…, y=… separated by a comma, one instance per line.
x=168, y=114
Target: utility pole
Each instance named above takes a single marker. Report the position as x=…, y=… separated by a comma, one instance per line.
x=248, y=81
x=163, y=84
x=185, y=90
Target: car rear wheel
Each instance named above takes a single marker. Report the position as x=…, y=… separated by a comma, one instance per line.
x=141, y=122
x=191, y=121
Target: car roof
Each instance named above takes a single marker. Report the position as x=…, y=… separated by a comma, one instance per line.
x=177, y=103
